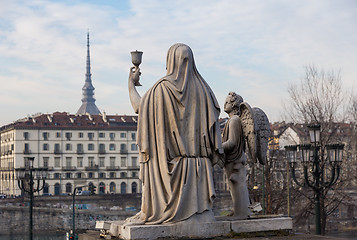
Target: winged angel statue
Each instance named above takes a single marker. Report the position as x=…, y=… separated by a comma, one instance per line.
x=245, y=136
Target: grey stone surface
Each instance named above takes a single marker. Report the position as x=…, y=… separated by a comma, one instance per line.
x=246, y=126
x=264, y=224
x=198, y=230
x=179, y=140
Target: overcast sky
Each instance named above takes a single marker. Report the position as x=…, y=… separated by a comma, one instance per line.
x=255, y=48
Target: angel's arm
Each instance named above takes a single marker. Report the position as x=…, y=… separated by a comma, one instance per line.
x=234, y=128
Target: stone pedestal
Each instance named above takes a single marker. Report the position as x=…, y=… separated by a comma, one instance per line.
x=196, y=230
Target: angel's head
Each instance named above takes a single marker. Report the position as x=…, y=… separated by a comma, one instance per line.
x=233, y=100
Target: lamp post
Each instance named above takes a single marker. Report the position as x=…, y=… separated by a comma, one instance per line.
x=313, y=164
x=30, y=180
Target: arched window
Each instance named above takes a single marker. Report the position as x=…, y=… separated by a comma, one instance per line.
x=134, y=187
x=45, y=188
x=101, y=188
x=57, y=189
x=112, y=187
x=68, y=188
x=123, y=188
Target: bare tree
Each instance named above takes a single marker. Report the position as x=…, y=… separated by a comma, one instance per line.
x=320, y=98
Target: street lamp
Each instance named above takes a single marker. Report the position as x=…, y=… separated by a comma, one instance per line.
x=31, y=180
x=310, y=158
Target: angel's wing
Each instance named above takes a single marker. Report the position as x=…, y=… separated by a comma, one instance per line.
x=249, y=131
x=256, y=130
x=262, y=127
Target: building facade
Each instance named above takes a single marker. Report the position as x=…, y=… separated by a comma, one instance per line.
x=76, y=149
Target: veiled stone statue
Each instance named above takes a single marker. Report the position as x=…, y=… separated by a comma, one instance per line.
x=249, y=129
x=179, y=140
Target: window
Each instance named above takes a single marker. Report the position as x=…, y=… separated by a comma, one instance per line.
x=133, y=136
x=68, y=162
x=68, y=147
x=90, y=146
x=134, y=161
x=57, y=148
x=101, y=148
x=90, y=136
x=134, y=174
x=112, y=175
x=112, y=136
x=68, y=175
x=79, y=148
x=134, y=187
x=57, y=161
x=80, y=135
x=90, y=175
x=26, y=135
x=68, y=136
x=112, y=161
x=123, y=148
x=58, y=134
x=79, y=175
x=101, y=175
x=45, y=147
x=123, y=161
x=122, y=135
x=123, y=188
x=112, y=147
x=79, y=162
x=45, y=161
x=68, y=188
x=102, y=135
x=101, y=161
x=56, y=176
x=133, y=147
x=26, y=148
x=123, y=175
x=45, y=135
x=112, y=187
x=91, y=161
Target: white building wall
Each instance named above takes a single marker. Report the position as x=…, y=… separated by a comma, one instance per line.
x=36, y=141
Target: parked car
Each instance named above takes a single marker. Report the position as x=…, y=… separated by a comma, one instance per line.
x=46, y=194
x=2, y=196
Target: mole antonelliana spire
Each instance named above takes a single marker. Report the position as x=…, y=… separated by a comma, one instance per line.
x=88, y=101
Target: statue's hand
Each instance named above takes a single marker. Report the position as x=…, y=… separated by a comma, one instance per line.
x=134, y=75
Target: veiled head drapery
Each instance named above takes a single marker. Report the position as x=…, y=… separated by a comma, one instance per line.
x=179, y=139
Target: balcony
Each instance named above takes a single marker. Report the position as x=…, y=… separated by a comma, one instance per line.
x=123, y=151
x=57, y=151
x=113, y=168
x=92, y=168
x=80, y=151
x=133, y=167
x=101, y=151
x=69, y=168
x=27, y=151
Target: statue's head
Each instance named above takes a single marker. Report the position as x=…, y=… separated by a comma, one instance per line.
x=232, y=103
x=179, y=55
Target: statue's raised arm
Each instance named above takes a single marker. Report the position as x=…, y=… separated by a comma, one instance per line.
x=134, y=77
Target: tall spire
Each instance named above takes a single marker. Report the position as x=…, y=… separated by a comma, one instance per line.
x=88, y=101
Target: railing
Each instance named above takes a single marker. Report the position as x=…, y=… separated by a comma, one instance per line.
x=133, y=167
x=92, y=168
x=57, y=151
x=101, y=151
x=69, y=168
x=80, y=151
x=113, y=168
x=27, y=151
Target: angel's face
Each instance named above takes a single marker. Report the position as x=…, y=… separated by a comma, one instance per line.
x=228, y=105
